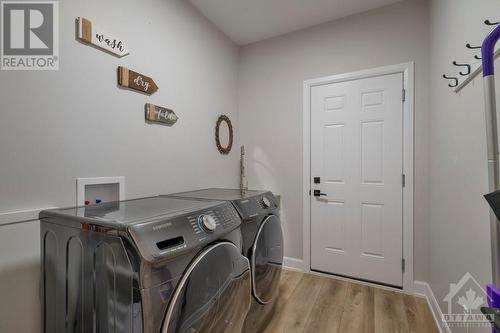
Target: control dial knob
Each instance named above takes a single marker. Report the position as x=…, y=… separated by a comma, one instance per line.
x=265, y=202
x=207, y=223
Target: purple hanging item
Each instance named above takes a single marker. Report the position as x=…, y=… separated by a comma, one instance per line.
x=488, y=58
x=494, y=304
x=488, y=51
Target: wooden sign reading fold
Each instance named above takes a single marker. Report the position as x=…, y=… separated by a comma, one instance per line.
x=136, y=81
x=158, y=114
x=92, y=34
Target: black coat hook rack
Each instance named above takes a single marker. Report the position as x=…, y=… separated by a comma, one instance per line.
x=470, y=47
x=488, y=22
x=467, y=66
x=451, y=85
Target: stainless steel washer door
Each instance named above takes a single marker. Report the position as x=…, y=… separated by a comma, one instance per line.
x=267, y=260
x=213, y=295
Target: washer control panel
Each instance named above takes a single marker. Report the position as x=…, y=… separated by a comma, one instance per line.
x=175, y=235
x=257, y=205
x=266, y=203
x=214, y=220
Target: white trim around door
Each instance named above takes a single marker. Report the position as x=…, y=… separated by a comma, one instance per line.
x=407, y=69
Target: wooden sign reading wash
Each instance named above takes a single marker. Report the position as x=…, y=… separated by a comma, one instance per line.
x=91, y=34
x=136, y=81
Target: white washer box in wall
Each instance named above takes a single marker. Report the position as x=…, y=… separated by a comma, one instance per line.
x=104, y=189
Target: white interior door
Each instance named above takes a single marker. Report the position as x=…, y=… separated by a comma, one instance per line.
x=357, y=151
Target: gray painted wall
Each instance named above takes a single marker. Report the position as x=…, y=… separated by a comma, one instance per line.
x=76, y=122
x=270, y=101
x=459, y=237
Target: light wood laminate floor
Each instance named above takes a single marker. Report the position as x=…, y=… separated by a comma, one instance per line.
x=313, y=304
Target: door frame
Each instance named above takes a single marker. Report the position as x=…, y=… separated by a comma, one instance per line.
x=407, y=69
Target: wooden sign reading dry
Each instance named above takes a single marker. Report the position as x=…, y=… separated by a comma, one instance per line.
x=158, y=114
x=136, y=81
x=92, y=34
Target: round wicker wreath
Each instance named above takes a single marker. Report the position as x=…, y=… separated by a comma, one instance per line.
x=224, y=150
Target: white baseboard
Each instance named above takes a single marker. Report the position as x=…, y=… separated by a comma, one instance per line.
x=424, y=289
x=293, y=264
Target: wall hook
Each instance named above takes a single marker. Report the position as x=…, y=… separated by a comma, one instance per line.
x=470, y=47
x=451, y=85
x=488, y=22
x=463, y=65
x=477, y=57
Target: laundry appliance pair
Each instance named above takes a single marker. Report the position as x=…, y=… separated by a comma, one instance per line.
x=160, y=264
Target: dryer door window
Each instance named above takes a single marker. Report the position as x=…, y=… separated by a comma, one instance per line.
x=267, y=260
x=213, y=295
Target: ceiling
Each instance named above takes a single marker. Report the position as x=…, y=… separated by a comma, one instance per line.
x=248, y=21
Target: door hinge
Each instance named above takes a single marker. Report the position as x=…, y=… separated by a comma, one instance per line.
x=309, y=192
x=404, y=95
x=403, y=265
x=403, y=180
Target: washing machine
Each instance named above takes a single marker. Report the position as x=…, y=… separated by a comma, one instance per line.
x=262, y=245
x=152, y=265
